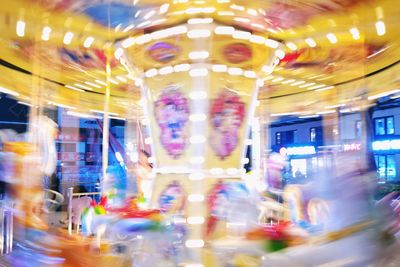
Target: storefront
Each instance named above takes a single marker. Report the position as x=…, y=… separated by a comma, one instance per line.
x=387, y=154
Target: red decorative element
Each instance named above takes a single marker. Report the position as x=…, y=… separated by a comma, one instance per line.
x=227, y=115
x=237, y=53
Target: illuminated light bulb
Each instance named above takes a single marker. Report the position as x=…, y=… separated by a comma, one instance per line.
x=280, y=53
x=199, y=33
x=355, y=33
x=198, y=117
x=198, y=55
x=257, y=39
x=93, y=84
x=297, y=83
x=145, y=38
x=380, y=28
x=292, y=46
x=237, y=7
x=216, y=171
x=178, y=30
x=101, y=82
x=195, y=220
x=46, y=33
x=325, y=88
x=111, y=80
x=219, y=68
x=151, y=73
x=197, y=160
x=20, y=28
x=88, y=42
x=252, y=12
x=68, y=38
x=129, y=27
x=278, y=79
x=226, y=13
x=143, y=24
x=194, y=10
x=83, y=86
x=149, y=14
x=164, y=8
x=160, y=34
x=311, y=42
x=317, y=86
x=148, y=141
x=196, y=198
x=194, y=243
x=332, y=38
x=200, y=21
x=256, y=25
x=232, y=171
x=118, y=53
x=306, y=85
x=235, y=71
x=198, y=72
x=74, y=88
x=241, y=35
x=197, y=95
x=122, y=79
x=250, y=74
x=197, y=176
x=260, y=83
x=271, y=43
x=267, y=69
x=243, y=20
x=208, y=10
x=288, y=81
x=128, y=42
x=197, y=139
x=166, y=70
x=224, y=30
x=181, y=67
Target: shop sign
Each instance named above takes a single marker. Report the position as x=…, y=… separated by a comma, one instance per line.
x=386, y=145
x=352, y=147
x=297, y=151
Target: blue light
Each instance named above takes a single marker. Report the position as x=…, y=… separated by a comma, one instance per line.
x=386, y=145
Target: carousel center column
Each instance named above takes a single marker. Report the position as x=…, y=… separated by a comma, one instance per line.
x=199, y=86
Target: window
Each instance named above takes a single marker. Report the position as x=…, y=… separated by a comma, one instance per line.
x=287, y=137
x=386, y=167
x=313, y=134
x=278, y=138
x=358, y=127
x=316, y=135
x=384, y=126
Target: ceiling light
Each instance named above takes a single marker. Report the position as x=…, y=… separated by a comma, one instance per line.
x=164, y=8
x=311, y=42
x=20, y=28
x=122, y=79
x=355, y=33
x=219, y=68
x=241, y=35
x=198, y=72
x=68, y=38
x=46, y=33
x=235, y=71
x=198, y=55
x=83, y=86
x=181, y=67
x=332, y=38
x=292, y=46
x=74, y=88
x=297, y=83
x=88, y=42
x=101, y=82
x=199, y=33
x=8, y=91
x=380, y=28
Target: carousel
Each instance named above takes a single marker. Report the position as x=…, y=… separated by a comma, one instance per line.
x=187, y=177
